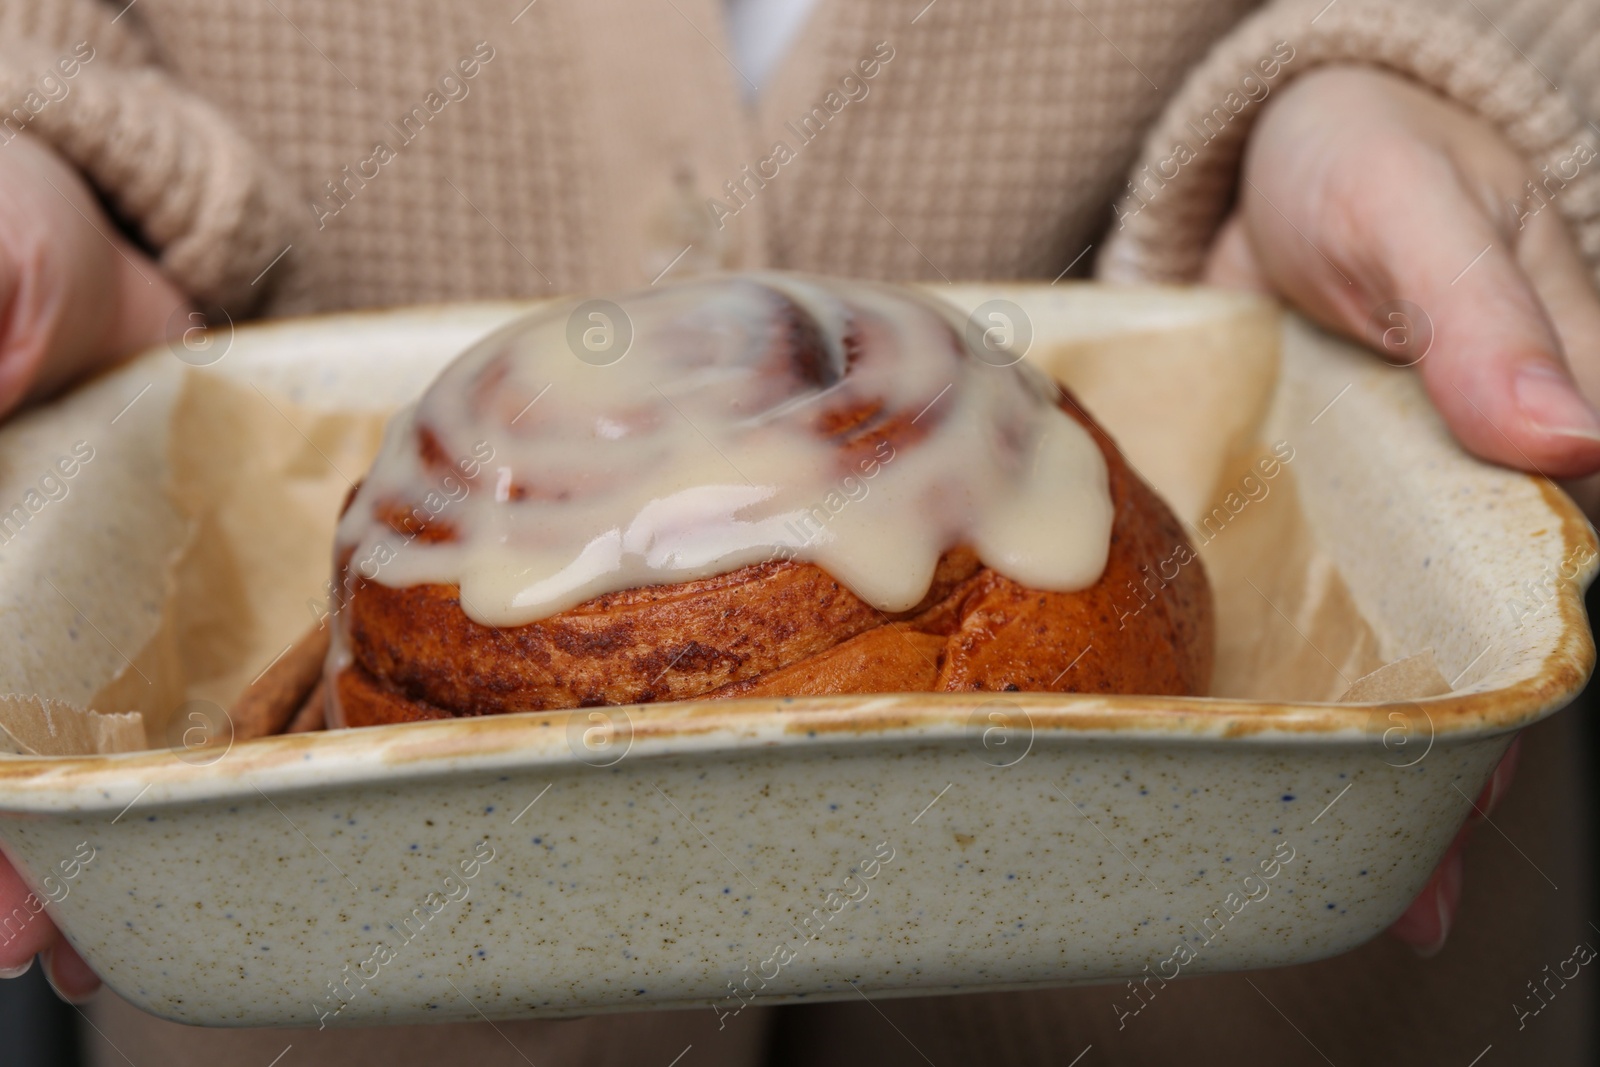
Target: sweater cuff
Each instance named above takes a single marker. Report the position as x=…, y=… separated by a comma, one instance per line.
x=168, y=165
x=1184, y=183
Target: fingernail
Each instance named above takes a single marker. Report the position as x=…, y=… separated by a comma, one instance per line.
x=17, y=971
x=49, y=976
x=70, y=1000
x=1446, y=896
x=1550, y=400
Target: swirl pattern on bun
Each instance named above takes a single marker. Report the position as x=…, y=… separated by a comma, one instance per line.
x=781, y=486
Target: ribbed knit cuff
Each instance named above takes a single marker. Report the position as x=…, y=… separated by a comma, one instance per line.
x=1184, y=182
x=168, y=164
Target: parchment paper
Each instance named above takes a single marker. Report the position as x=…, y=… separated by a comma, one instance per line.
x=34, y=726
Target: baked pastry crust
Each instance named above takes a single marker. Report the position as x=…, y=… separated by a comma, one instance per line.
x=786, y=628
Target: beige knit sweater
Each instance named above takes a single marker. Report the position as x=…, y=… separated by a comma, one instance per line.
x=402, y=150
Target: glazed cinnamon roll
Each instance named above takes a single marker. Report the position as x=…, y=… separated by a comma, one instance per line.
x=751, y=485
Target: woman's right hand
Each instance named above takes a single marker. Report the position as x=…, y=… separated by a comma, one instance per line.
x=75, y=294
x=26, y=931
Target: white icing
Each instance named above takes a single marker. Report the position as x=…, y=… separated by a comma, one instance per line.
x=698, y=451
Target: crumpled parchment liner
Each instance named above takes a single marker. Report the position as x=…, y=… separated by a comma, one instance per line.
x=35, y=726
x=258, y=482
x=85, y=549
x=1412, y=678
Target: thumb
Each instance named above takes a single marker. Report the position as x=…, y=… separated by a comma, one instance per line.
x=75, y=294
x=1498, y=370
x=90, y=326
x=1428, y=279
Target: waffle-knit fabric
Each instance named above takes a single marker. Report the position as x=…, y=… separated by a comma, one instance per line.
x=1528, y=66
x=591, y=144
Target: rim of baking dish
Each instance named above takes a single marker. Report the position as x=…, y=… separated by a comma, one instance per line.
x=491, y=743
x=486, y=744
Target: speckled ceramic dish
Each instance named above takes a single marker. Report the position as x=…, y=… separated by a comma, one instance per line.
x=725, y=853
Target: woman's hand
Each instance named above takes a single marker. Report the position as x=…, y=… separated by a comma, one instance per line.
x=1361, y=188
x=75, y=294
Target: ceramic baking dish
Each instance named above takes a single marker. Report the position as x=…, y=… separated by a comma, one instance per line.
x=758, y=851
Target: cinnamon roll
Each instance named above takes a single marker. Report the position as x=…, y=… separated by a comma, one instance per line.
x=751, y=485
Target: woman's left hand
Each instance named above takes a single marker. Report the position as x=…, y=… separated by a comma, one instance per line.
x=1359, y=189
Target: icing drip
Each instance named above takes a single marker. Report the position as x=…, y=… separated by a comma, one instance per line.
x=689, y=430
